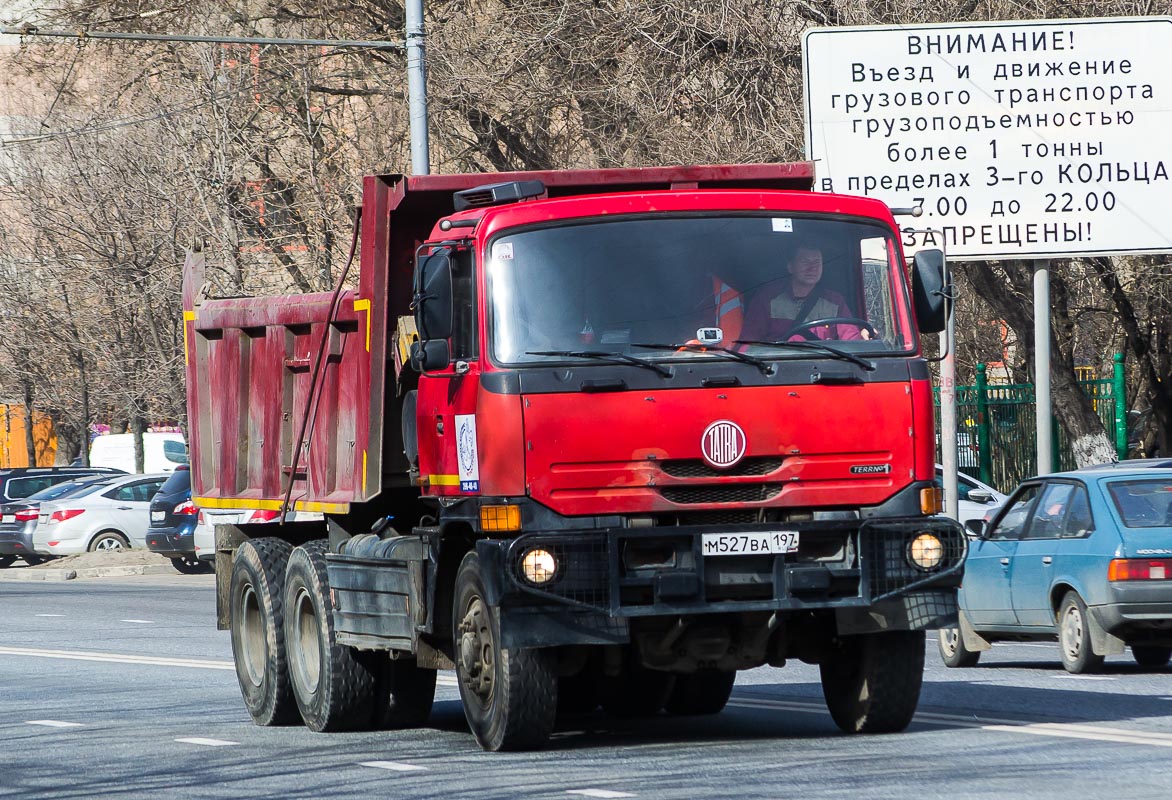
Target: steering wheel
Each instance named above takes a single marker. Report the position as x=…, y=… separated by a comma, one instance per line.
x=805, y=328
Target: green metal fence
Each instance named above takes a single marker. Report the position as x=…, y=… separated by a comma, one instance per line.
x=997, y=435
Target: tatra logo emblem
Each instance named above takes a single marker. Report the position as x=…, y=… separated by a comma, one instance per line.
x=723, y=443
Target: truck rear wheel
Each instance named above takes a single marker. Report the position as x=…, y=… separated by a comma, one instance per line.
x=703, y=692
x=872, y=682
x=335, y=686
x=510, y=696
x=256, y=613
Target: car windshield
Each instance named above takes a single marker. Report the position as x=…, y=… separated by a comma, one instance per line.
x=1143, y=503
x=658, y=287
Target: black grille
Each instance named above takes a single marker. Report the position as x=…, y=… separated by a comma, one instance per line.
x=885, y=546
x=582, y=576
x=694, y=468
x=741, y=493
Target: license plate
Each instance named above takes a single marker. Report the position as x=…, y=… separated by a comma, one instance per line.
x=8, y=518
x=158, y=516
x=749, y=544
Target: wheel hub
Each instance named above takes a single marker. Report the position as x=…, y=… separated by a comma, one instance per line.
x=476, y=650
x=1072, y=633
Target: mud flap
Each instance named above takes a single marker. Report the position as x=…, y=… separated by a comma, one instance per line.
x=973, y=641
x=1103, y=643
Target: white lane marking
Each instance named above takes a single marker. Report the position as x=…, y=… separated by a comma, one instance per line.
x=393, y=766
x=1068, y=730
x=53, y=723
x=1084, y=677
x=50, y=615
x=207, y=742
x=599, y=793
x=138, y=621
x=117, y=658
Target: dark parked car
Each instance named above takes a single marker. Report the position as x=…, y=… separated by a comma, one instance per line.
x=1081, y=557
x=21, y=492
x=173, y=518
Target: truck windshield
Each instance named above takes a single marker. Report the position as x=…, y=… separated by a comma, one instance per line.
x=661, y=287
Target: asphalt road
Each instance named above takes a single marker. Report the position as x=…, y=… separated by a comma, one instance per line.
x=126, y=689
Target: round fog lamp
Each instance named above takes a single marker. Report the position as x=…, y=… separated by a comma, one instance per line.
x=926, y=551
x=539, y=566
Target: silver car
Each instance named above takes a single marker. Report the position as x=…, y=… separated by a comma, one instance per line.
x=114, y=516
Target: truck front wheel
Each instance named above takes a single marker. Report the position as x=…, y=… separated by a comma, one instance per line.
x=510, y=696
x=872, y=681
x=256, y=613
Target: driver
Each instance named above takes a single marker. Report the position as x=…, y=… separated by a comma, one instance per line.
x=779, y=307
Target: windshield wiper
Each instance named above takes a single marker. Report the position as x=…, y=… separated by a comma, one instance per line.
x=816, y=347
x=602, y=355
x=760, y=364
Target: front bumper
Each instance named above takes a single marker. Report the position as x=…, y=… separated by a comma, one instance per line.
x=634, y=572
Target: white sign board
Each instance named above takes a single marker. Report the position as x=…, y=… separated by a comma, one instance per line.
x=1018, y=139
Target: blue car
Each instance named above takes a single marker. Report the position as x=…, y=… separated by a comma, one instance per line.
x=1082, y=557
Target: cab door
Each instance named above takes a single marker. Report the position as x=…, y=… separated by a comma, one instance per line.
x=985, y=591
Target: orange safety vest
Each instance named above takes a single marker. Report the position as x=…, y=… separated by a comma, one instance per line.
x=730, y=310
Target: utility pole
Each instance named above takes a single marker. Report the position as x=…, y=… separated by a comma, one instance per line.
x=416, y=66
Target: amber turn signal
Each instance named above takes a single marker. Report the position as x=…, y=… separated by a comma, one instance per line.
x=931, y=500
x=497, y=519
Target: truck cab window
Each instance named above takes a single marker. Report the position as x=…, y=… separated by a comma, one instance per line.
x=463, y=307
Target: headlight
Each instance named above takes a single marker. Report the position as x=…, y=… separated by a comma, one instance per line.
x=539, y=566
x=925, y=552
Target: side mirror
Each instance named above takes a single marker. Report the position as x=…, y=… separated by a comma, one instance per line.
x=980, y=496
x=928, y=291
x=433, y=296
x=976, y=528
x=430, y=356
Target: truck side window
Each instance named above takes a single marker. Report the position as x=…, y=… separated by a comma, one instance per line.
x=463, y=307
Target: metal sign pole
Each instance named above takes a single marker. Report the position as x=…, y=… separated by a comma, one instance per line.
x=1042, y=401
x=417, y=88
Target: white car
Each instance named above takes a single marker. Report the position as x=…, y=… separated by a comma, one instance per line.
x=974, y=499
x=112, y=515
x=205, y=526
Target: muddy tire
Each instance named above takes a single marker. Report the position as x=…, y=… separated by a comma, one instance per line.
x=257, y=617
x=335, y=686
x=872, y=682
x=703, y=692
x=953, y=653
x=509, y=696
x=1074, y=637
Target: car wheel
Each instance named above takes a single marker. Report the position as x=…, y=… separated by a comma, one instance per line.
x=190, y=565
x=257, y=615
x=952, y=650
x=335, y=685
x=1151, y=655
x=109, y=540
x=872, y=682
x=7, y=561
x=1074, y=637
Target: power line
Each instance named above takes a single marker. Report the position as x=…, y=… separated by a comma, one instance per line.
x=83, y=35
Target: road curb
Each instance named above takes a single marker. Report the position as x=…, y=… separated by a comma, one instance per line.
x=87, y=572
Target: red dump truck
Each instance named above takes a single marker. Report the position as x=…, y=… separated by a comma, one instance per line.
x=589, y=438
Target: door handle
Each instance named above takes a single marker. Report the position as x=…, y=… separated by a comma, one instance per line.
x=125, y=508
x=1047, y=559
x=1005, y=562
